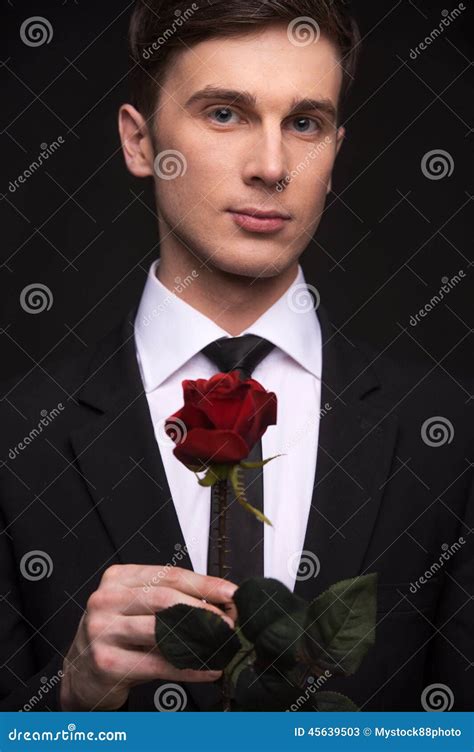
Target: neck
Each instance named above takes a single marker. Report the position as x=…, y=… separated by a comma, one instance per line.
x=234, y=302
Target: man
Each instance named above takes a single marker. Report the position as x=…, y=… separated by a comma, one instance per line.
x=236, y=118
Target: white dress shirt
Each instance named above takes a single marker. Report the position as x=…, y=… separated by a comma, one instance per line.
x=169, y=335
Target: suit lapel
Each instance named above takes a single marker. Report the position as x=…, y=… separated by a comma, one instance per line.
x=355, y=449
x=117, y=454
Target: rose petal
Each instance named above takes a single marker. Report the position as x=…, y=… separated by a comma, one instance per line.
x=258, y=412
x=222, y=383
x=256, y=385
x=211, y=446
x=223, y=409
x=191, y=416
x=193, y=390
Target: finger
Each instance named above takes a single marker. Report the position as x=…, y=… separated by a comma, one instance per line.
x=230, y=609
x=131, y=631
x=134, y=666
x=158, y=600
x=136, y=602
x=214, y=589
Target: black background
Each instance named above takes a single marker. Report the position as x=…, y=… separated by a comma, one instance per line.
x=83, y=226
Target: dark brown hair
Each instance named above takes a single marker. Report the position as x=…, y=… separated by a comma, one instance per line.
x=159, y=30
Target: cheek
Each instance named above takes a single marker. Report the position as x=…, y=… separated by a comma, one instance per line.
x=190, y=155
x=212, y=175
x=216, y=161
x=172, y=195
x=311, y=188
x=187, y=197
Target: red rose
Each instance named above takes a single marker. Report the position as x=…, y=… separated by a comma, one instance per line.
x=223, y=417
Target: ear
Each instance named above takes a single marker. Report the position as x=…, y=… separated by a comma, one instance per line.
x=341, y=132
x=136, y=141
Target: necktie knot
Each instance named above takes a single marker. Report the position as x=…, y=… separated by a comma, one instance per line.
x=242, y=353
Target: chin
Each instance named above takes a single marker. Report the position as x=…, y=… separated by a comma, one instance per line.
x=250, y=265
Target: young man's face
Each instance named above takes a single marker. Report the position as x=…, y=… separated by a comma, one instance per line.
x=236, y=152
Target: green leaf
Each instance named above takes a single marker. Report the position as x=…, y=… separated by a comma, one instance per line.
x=334, y=701
x=258, y=514
x=250, y=465
x=190, y=637
x=278, y=644
x=209, y=479
x=244, y=658
x=340, y=626
x=214, y=473
x=239, y=490
x=267, y=690
x=196, y=468
x=260, y=601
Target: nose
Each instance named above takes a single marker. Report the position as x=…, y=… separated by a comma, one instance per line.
x=266, y=159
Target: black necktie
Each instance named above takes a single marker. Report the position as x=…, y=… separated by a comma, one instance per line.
x=244, y=530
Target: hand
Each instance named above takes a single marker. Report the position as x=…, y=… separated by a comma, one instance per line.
x=115, y=648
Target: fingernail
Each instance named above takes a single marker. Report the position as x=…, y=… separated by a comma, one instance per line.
x=229, y=591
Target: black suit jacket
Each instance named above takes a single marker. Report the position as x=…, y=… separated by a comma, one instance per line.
x=90, y=490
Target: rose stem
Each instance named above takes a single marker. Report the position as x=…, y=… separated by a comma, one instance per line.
x=223, y=568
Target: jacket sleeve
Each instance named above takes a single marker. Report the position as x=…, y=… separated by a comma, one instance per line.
x=451, y=656
x=23, y=684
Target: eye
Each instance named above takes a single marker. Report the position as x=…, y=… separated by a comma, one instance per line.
x=305, y=124
x=222, y=114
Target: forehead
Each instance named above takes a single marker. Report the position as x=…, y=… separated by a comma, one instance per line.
x=267, y=63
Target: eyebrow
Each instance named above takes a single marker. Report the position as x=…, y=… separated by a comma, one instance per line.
x=249, y=100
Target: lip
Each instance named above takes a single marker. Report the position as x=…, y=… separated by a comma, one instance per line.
x=257, y=220
x=254, y=211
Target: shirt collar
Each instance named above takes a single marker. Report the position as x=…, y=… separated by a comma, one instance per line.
x=169, y=331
